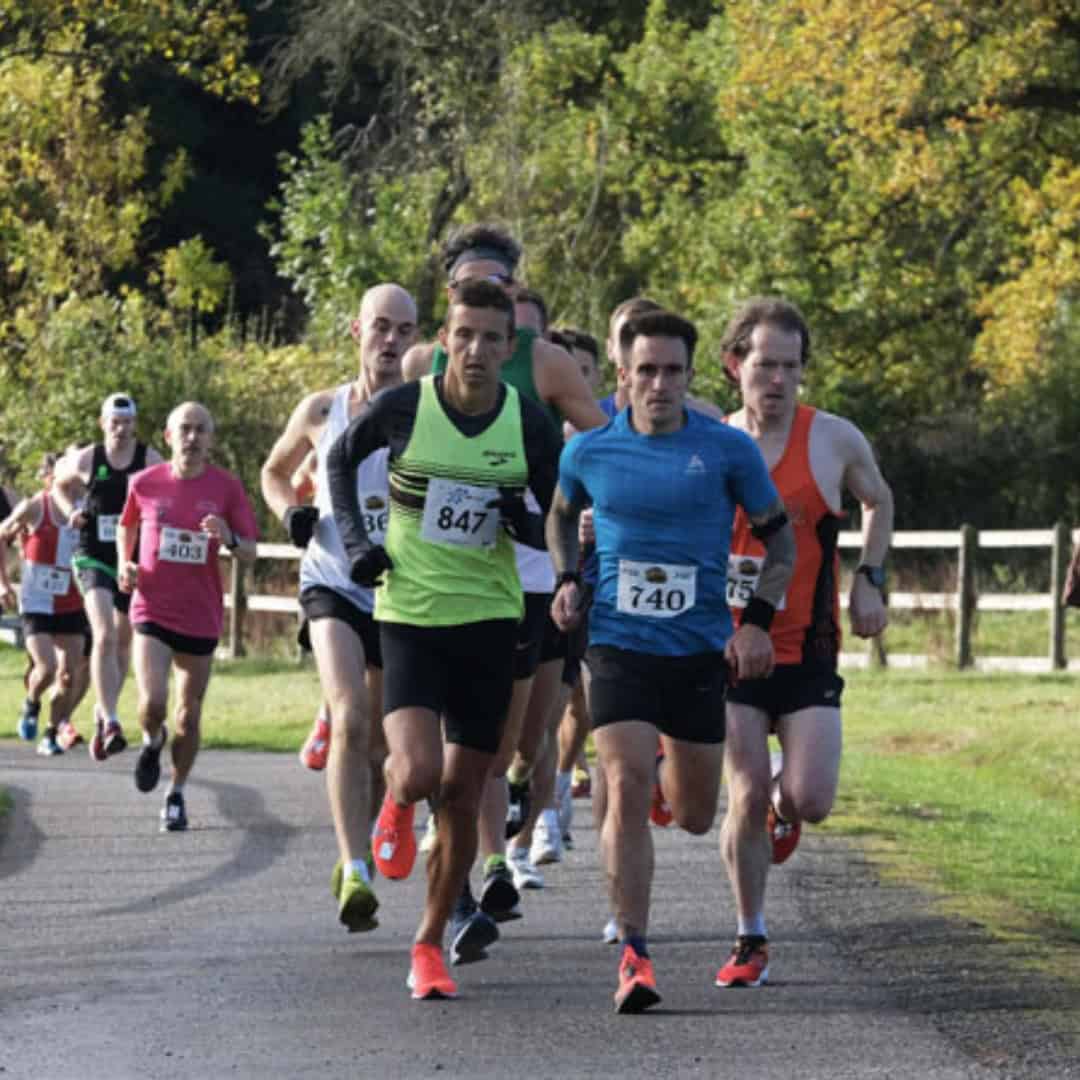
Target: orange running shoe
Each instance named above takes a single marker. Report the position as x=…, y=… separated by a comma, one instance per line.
x=393, y=844
x=783, y=834
x=748, y=964
x=659, y=813
x=316, y=748
x=637, y=983
x=428, y=978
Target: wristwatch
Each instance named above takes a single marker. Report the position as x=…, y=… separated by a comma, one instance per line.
x=874, y=574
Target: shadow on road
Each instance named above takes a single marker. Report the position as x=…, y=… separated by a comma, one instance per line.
x=262, y=845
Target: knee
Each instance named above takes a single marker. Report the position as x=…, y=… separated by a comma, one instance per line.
x=349, y=725
x=45, y=670
x=153, y=710
x=629, y=790
x=812, y=805
x=412, y=779
x=64, y=679
x=696, y=820
x=106, y=638
x=748, y=801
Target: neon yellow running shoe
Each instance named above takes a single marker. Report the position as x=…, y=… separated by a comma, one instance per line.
x=358, y=904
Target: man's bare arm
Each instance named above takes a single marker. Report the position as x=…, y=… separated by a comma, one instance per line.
x=560, y=383
x=290, y=450
x=780, y=551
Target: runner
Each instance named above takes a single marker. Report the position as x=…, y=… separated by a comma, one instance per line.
x=664, y=482
x=814, y=458
x=187, y=510
x=338, y=612
x=530, y=311
x=463, y=448
x=90, y=488
x=54, y=621
x=548, y=375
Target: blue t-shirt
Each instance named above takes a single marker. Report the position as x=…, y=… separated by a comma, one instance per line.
x=663, y=507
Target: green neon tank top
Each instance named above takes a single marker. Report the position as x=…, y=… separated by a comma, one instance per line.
x=453, y=560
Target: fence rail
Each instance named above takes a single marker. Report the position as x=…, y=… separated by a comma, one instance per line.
x=964, y=601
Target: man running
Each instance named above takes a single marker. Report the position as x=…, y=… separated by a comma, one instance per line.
x=814, y=458
x=463, y=449
x=90, y=488
x=546, y=374
x=664, y=482
x=54, y=620
x=344, y=637
x=187, y=509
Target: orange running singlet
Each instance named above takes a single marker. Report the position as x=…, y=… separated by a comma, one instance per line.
x=806, y=629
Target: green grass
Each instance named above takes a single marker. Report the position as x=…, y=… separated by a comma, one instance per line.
x=996, y=633
x=970, y=784
x=967, y=784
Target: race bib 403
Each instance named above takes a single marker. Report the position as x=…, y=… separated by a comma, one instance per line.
x=183, y=545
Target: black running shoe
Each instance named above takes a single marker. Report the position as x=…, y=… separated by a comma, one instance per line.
x=173, y=813
x=517, y=810
x=499, y=897
x=148, y=764
x=471, y=932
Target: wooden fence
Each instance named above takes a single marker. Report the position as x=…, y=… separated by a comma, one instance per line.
x=965, y=601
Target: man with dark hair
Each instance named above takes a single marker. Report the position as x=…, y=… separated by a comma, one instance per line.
x=90, y=489
x=664, y=482
x=342, y=631
x=814, y=458
x=546, y=374
x=463, y=449
x=530, y=309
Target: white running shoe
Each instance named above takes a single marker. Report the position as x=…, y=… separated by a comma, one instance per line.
x=526, y=876
x=547, y=839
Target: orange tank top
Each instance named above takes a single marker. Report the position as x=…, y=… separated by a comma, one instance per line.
x=806, y=629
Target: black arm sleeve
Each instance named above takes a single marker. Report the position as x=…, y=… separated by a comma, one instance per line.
x=542, y=449
x=386, y=421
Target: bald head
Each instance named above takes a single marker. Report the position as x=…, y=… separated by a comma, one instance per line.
x=190, y=435
x=388, y=299
x=384, y=330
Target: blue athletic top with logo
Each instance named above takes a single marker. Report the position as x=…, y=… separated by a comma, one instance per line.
x=663, y=507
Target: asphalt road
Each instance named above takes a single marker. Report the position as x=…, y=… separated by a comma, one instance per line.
x=125, y=952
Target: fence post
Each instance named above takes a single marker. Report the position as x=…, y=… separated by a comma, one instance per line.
x=1059, y=562
x=236, y=622
x=966, y=600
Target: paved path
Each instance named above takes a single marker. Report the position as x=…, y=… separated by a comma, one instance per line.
x=215, y=953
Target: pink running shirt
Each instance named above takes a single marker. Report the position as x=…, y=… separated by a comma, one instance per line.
x=180, y=585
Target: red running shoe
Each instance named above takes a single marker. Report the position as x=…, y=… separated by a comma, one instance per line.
x=748, y=964
x=783, y=834
x=393, y=844
x=316, y=748
x=637, y=983
x=428, y=978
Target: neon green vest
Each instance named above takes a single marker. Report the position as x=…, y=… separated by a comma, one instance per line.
x=444, y=573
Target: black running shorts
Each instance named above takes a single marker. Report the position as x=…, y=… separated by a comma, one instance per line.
x=93, y=577
x=530, y=635
x=67, y=622
x=465, y=673
x=682, y=696
x=789, y=688
x=319, y=602
x=180, y=643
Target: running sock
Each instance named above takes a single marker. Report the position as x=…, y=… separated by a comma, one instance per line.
x=752, y=927
x=360, y=866
x=154, y=742
x=517, y=775
x=32, y=707
x=563, y=781
x=637, y=943
x=176, y=789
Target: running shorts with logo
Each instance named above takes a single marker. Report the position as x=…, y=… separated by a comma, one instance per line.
x=789, y=689
x=319, y=602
